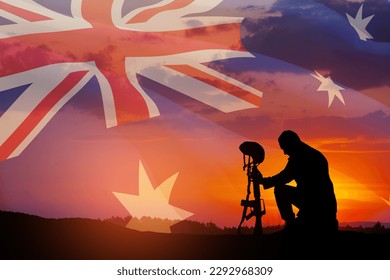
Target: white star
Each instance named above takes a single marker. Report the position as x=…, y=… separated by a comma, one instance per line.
x=328, y=85
x=153, y=203
x=360, y=24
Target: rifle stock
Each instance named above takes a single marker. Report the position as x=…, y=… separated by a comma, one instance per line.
x=256, y=205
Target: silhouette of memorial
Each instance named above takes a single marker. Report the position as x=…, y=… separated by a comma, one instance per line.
x=253, y=155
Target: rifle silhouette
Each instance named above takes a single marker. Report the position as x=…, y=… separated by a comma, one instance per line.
x=255, y=154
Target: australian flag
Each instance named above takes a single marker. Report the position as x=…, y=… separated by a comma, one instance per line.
x=187, y=77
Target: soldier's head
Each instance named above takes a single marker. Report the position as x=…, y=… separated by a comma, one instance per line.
x=289, y=142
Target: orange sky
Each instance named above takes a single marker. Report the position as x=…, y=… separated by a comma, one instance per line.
x=75, y=164
x=78, y=167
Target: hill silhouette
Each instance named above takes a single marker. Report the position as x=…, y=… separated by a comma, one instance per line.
x=28, y=237
x=186, y=226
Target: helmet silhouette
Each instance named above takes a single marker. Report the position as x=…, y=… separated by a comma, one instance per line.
x=254, y=150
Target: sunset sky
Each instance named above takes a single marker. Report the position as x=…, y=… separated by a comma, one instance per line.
x=75, y=163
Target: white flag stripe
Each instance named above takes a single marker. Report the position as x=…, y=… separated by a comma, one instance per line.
x=197, y=90
x=151, y=105
x=108, y=99
x=59, y=21
x=228, y=79
x=29, y=99
x=12, y=17
x=37, y=129
x=153, y=68
x=172, y=20
x=43, y=81
x=202, y=56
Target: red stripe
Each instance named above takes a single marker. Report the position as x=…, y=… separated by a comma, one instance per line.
x=145, y=15
x=39, y=112
x=25, y=14
x=218, y=83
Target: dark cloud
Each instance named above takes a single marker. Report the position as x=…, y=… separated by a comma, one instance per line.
x=314, y=37
x=252, y=126
x=378, y=27
x=103, y=58
x=20, y=56
x=372, y=126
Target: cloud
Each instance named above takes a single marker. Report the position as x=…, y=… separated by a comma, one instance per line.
x=252, y=126
x=103, y=58
x=373, y=126
x=16, y=56
x=246, y=8
x=380, y=24
x=315, y=37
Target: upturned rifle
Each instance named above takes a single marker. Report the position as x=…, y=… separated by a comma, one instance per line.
x=253, y=155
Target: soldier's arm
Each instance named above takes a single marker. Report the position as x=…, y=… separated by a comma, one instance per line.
x=282, y=178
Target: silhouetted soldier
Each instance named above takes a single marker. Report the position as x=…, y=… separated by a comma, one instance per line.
x=314, y=194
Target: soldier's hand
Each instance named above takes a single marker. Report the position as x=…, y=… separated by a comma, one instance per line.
x=256, y=177
x=266, y=182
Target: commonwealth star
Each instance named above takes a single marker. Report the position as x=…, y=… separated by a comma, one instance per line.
x=328, y=85
x=152, y=203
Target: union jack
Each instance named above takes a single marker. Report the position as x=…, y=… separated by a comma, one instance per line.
x=54, y=55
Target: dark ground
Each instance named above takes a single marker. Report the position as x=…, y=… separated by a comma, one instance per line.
x=27, y=237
